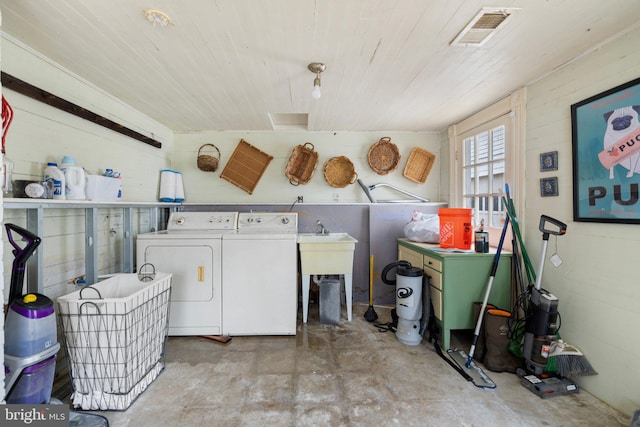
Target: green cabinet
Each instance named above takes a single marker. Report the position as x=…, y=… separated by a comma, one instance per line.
x=457, y=280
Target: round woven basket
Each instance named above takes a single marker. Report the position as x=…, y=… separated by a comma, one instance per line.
x=206, y=162
x=339, y=172
x=383, y=156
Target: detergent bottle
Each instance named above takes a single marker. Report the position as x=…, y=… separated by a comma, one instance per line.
x=56, y=176
x=74, y=177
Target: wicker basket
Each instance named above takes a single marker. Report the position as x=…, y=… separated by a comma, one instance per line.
x=419, y=165
x=246, y=166
x=339, y=172
x=206, y=162
x=383, y=156
x=302, y=164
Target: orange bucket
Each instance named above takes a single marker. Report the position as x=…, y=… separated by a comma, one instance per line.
x=455, y=228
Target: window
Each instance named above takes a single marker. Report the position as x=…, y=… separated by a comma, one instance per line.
x=483, y=168
x=485, y=154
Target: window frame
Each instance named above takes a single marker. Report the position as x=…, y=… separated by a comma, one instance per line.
x=494, y=194
x=510, y=111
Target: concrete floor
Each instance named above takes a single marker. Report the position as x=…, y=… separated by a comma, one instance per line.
x=345, y=375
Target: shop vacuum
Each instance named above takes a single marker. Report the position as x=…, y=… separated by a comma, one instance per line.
x=410, y=299
x=30, y=344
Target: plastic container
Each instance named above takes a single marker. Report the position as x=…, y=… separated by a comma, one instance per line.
x=482, y=241
x=330, y=301
x=102, y=188
x=179, y=196
x=117, y=176
x=7, y=177
x=30, y=326
x=35, y=384
x=456, y=230
x=167, y=186
x=74, y=179
x=51, y=172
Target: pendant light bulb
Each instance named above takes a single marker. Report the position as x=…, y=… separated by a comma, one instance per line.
x=316, y=93
x=316, y=68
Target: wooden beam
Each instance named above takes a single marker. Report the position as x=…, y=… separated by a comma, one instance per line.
x=26, y=89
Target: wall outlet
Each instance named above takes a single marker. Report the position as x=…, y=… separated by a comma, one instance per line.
x=300, y=199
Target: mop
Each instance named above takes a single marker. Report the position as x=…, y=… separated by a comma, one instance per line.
x=464, y=363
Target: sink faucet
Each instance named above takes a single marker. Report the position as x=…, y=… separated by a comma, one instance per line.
x=320, y=228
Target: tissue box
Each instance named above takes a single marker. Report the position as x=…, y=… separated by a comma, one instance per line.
x=103, y=188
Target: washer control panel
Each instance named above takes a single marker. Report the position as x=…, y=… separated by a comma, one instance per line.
x=275, y=222
x=203, y=221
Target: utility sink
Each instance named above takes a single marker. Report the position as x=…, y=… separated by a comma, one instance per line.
x=326, y=253
x=306, y=238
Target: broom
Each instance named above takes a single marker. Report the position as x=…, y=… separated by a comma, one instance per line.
x=568, y=360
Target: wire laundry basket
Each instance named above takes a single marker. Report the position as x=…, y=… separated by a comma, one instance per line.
x=114, y=335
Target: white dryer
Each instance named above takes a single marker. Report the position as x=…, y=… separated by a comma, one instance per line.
x=191, y=249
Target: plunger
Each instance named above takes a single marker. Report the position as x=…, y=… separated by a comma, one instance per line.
x=370, y=315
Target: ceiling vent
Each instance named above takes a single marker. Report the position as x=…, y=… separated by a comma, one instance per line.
x=482, y=27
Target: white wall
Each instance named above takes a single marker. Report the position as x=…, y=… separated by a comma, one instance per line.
x=597, y=284
x=40, y=133
x=274, y=187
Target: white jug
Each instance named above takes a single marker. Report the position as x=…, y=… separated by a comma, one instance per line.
x=75, y=180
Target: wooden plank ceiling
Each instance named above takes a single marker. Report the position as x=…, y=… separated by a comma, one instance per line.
x=228, y=64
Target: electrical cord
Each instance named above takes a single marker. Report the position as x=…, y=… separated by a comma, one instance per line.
x=385, y=327
x=389, y=326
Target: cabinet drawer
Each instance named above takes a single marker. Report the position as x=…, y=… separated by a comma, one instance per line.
x=436, y=301
x=429, y=261
x=415, y=258
x=435, y=277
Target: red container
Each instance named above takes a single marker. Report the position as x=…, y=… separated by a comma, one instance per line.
x=455, y=228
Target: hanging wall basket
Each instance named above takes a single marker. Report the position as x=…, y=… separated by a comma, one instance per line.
x=206, y=162
x=383, y=156
x=302, y=164
x=419, y=165
x=339, y=172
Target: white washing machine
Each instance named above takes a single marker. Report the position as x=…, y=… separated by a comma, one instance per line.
x=259, y=275
x=191, y=249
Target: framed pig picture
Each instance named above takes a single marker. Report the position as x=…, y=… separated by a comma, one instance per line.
x=606, y=156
